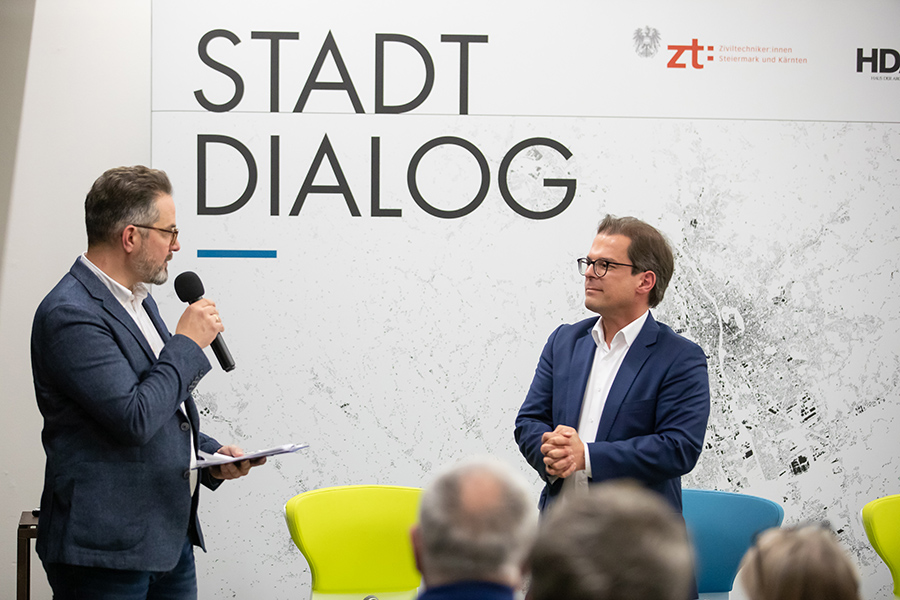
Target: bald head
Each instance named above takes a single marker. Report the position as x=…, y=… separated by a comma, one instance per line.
x=476, y=522
x=481, y=493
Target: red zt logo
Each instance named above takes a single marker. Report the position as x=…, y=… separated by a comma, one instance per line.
x=695, y=49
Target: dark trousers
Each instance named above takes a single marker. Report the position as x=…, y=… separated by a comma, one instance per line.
x=72, y=582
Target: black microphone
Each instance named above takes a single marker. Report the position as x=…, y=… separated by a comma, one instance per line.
x=190, y=289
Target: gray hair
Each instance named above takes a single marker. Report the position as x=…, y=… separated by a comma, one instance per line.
x=477, y=521
x=120, y=197
x=617, y=541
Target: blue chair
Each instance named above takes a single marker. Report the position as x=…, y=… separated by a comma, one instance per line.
x=722, y=527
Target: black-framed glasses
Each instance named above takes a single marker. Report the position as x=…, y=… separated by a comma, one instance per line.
x=173, y=232
x=601, y=266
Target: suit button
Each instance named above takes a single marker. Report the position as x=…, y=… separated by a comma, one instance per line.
x=185, y=426
x=187, y=474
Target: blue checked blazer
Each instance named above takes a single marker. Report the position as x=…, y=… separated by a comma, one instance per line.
x=116, y=488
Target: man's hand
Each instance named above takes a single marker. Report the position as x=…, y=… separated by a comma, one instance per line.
x=200, y=322
x=236, y=469
x=563, y=451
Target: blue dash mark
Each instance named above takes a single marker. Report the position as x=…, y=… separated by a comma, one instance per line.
x=237, y=254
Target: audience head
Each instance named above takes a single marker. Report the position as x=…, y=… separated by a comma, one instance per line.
x=799, y=563
x=120, y=197
x=617, y=541
x=476, y=523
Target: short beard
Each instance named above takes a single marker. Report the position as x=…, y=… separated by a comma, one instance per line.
x=160, y=277
x=151, y=273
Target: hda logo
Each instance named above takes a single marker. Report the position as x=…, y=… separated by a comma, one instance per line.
x=881, y=60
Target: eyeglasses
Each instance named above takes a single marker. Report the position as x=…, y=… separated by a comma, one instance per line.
x=173, y=232
x=601, y=266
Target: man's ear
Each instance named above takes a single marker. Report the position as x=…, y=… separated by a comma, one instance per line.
x=127, y=239
x=648, y=280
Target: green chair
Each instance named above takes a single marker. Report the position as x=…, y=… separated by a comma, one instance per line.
x=356, y=540
x=881, y=518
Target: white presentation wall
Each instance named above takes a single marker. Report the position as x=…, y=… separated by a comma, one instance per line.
x=420, y=182
x=387, y=201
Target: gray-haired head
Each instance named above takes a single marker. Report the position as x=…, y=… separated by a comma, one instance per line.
x=120, y=197
x=477, y=521
x=617, y=541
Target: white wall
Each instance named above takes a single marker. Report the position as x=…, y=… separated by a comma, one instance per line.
x=86, y=107
x=786, y=246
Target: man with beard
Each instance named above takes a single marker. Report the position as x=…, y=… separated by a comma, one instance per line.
x=121, y=430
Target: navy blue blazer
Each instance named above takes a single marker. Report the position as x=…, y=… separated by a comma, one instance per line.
x=654, y=420
x=469, y=590
x=116, y=488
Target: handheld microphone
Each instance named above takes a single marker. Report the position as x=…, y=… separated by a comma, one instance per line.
x=190, y=289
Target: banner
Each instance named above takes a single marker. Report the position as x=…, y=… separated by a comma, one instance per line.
x=386, y=203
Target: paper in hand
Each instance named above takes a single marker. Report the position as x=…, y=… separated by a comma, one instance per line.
x=205, y=459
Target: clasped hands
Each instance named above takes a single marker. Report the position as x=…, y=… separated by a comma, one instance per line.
x=563, y=451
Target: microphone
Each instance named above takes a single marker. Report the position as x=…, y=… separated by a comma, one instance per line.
x=190, y=289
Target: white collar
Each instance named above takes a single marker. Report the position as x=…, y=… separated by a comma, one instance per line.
x=628, y=333
x=122, y=293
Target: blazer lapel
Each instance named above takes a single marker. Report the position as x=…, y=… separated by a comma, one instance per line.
x=153, y=311
x=110, y=304
x=637, y=355
x=582, y=361
x=189, y=406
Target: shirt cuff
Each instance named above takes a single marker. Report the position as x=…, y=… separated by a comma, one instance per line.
x=587, y=461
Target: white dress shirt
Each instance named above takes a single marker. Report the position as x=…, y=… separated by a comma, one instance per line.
x=607, y=360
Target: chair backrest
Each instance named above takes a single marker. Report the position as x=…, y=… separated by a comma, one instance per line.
x=722, y=527
x=356, y=540
x=881, y=518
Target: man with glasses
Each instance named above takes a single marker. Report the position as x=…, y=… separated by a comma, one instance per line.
x=121, y=431
x=619, y=396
